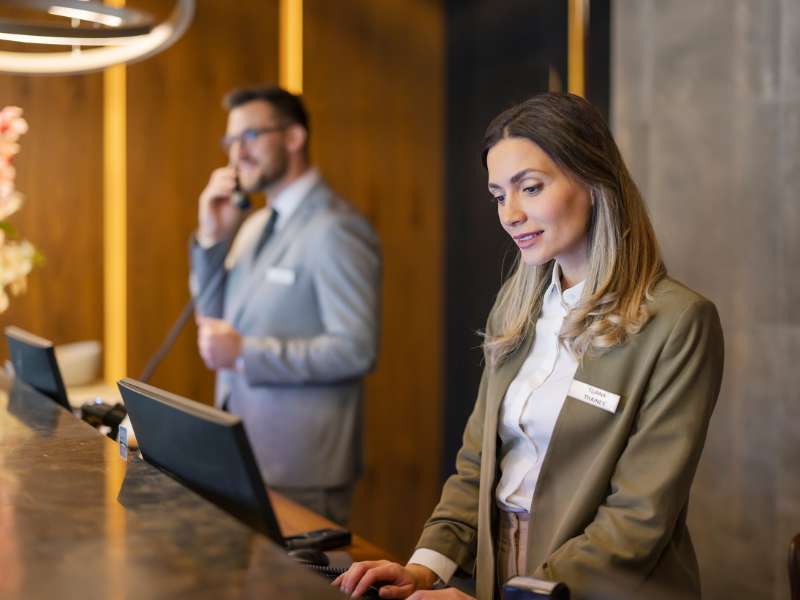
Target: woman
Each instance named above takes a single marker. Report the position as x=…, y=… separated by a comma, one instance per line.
x=601, y=376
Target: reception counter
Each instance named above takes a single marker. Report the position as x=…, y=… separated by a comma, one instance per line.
x=77, y=521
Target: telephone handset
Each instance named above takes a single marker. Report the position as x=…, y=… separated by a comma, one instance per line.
x=240, y=199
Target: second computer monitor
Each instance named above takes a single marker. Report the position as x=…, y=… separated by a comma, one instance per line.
x=35, y=363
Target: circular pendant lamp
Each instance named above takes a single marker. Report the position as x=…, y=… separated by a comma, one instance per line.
x=99, y=35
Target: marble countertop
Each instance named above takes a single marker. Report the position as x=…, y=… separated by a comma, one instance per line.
x=76, y=521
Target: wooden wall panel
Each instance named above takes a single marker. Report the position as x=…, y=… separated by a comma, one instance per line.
x=374, y=87
x=175, y=121
x=373, y=82
x=60, y=172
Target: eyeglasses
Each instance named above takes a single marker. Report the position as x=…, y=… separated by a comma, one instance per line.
x=248, y=136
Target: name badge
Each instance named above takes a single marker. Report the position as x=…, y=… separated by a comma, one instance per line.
x=594, y=396
x=280, y=276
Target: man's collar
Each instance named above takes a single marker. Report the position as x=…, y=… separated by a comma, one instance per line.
x=289, y=198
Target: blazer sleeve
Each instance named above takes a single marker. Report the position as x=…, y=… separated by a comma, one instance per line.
x=347, y=274
x=452, y=528
x=650, y=484
x=207, y=279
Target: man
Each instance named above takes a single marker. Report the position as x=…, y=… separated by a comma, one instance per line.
x=290, y=323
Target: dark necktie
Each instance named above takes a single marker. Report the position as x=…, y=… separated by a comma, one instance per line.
x=266, y=233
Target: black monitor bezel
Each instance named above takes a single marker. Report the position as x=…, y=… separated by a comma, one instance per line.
x=264, y=521
x=21, y=342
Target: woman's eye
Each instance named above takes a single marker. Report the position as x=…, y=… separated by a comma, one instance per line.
x=532, y=190
x=498, y=199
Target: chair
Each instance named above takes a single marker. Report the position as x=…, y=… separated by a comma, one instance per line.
x=794, y=567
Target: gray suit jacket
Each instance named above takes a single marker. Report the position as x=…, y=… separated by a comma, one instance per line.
x=308, y=308
x=609, y=509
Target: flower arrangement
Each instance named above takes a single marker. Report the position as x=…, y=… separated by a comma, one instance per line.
x=17, y=256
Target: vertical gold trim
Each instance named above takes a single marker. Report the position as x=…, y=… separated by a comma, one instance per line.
x=115, y=223
x=115, y=280
x=290, y=73
x=577, y=11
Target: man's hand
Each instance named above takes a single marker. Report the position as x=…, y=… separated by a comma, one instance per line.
x=217, y=216
x=219, y=343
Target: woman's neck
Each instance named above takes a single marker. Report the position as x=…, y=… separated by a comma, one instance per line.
x=572, y=276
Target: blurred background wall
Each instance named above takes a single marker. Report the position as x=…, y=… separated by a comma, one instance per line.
x=703, y=97
x=706, y=109
x=59, y=171
x=374, y=82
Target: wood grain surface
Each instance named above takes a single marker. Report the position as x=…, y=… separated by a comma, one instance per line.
x=175, y=121
x=374, y=87
x=59, y=170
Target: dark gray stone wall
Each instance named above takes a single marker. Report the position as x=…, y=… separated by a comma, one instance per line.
x=706, y=109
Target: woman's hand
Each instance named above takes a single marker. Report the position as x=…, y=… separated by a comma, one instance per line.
x=396, y=580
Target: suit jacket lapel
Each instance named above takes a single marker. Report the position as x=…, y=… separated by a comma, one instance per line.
x=503, y=377
x=275, y=248
x=576, y=421
x=496, y=391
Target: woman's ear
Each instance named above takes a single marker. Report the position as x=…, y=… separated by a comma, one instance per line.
x=296, y=138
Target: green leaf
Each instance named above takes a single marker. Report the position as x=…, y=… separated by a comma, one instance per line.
x=39, y=259
x=8, y=228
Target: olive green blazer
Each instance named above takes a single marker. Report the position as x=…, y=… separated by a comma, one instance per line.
x=609, y=510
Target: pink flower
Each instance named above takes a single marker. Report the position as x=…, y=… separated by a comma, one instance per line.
x=17, y=257
x=9, y=204
x=12, y=125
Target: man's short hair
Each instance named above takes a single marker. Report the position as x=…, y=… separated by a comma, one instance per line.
x=289, y=106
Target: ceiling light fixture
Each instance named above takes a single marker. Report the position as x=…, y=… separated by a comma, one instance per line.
x=114, y=35
x=86, y=15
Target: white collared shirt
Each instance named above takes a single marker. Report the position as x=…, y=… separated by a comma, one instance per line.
x=528, y=413
x=286, y=203
x=289, y=199
x=534, y=400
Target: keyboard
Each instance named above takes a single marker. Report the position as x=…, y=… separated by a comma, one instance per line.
x=332, y=573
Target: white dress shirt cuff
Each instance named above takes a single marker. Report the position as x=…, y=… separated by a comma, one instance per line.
x=204, y=243
x=435, y=561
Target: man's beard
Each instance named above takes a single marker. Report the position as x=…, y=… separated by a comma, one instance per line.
x=271, y=176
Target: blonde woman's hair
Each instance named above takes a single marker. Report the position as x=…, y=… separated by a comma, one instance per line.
x=624, y=260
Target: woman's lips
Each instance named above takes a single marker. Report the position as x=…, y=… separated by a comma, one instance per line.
x=526, y=240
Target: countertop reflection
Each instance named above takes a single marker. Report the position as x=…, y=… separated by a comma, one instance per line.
x=76, y=521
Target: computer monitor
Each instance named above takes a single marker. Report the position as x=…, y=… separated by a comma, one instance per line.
x=35, y=363
x=204, y=448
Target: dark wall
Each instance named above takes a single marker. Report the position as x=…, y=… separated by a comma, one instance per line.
x=499, y=52
x=598, y=56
